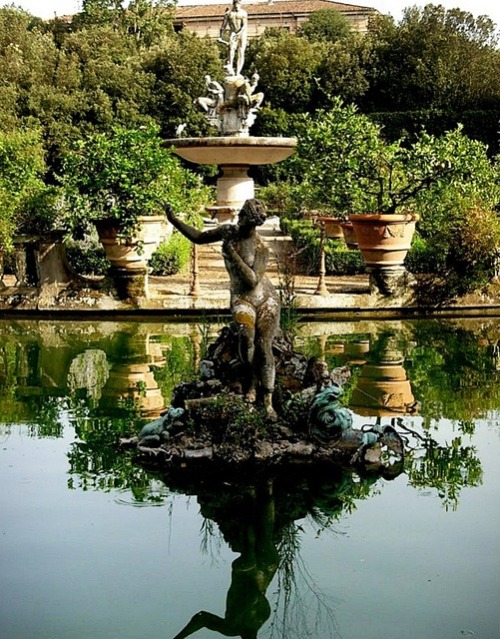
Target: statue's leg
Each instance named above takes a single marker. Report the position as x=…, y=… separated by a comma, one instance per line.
x=244, y=315
x=267, y=328
x=240, y=56
x=232, y=52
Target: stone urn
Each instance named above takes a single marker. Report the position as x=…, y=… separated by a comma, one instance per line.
x=349, y=235
x=131, y=253
x=331, y=225
x=129, y=256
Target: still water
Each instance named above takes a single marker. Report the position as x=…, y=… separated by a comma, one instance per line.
x=93, y=545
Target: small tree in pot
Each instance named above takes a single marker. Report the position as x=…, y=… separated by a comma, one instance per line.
x=120, y=181
x=344, y=165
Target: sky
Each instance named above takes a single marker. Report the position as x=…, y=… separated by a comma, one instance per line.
x=491, y=8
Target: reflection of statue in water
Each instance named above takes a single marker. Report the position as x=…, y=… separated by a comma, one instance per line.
x=254, y=302
x=247, y=608
x=259, y=522
x=235, y=22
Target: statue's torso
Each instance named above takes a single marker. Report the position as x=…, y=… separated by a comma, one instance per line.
x=250, y=250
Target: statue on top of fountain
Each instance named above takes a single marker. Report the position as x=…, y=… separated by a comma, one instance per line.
x=232, y=106
x=234, y=27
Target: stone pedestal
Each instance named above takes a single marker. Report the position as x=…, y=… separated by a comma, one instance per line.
x=234, y=187
x=390, y=281
x=234, y=155
x=131, y=283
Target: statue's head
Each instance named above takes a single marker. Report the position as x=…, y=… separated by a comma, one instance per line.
x=252, y=213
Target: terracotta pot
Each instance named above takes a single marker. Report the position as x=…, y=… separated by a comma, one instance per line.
x=349, y=235
x=384, y=239
x=131, y=253
x=331, y=225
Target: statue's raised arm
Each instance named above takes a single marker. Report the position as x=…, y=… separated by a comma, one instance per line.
x=192, y=234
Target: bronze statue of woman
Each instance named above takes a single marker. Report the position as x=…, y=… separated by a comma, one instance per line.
x=255, y=304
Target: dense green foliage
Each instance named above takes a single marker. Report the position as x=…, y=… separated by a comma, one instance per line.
x=119, y=67
x=124, y=174
x=345, y=165
x=127, y=67
x=22, y=167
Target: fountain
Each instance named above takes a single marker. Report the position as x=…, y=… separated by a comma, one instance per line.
x=231, y=107
x=217, y=418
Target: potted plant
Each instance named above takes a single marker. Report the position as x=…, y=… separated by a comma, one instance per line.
x=331, y=145
x=392, y=179
x=121, y=181
x=343, y=164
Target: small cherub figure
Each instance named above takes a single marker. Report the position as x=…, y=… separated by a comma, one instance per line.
x=214, y=98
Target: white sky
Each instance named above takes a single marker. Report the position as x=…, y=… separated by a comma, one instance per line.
x=491, y=8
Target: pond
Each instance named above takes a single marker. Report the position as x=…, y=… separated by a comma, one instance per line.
x=94, y=545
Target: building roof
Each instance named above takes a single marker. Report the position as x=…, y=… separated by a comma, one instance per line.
x=273, y=7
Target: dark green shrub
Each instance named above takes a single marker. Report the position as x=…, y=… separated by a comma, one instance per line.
x=424, y=257
x=87, y=257
x=478, y=125
x=171, y=256
x=338, y=259
x=342, y=261
x=474, y=250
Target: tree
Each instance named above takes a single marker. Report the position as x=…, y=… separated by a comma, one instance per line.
x=288, y=68
x=342, y=71
x=22, y=169
x=433, y=59
x=326, y=25
x=176, y=86
x=26, y=59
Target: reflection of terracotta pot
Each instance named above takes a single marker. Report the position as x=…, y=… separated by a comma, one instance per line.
x=134, y=382
x=357, y=348
x=349, y=235
x=382, y=390
x=336, y=349
x=384, y=240
x=355, y=352
x=135, y=252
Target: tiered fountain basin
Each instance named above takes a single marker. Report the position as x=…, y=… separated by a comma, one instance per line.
x=234, y=155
